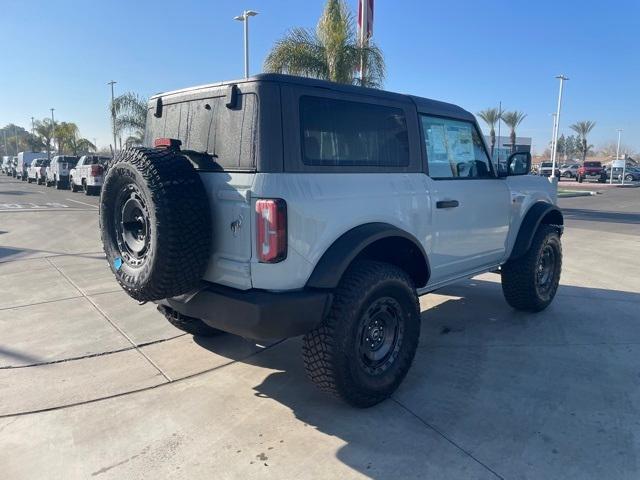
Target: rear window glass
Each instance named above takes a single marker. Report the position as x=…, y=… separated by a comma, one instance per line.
x=546, y=164
x=592, y=164
x=344, y=133
x=208, y=126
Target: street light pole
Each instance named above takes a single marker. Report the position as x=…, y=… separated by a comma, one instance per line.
x=562, y=78
x=624, y=165
x=113, y=115
x=53, y=132
x=245, y=19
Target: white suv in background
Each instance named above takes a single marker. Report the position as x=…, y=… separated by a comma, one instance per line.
x=58, y=171
x=88, y=174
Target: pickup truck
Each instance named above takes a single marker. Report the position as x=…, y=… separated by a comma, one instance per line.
x=37, y=171
x=88, y=174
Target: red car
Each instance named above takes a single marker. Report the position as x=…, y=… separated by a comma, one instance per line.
x=592, y=171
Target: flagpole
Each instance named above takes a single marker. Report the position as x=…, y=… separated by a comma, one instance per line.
x=364, y=15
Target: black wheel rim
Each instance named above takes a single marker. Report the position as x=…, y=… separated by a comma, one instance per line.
x=133, y=232
x=380, y=335
x=545, y=270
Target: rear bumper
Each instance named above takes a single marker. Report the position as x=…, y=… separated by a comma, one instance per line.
x=255, y=314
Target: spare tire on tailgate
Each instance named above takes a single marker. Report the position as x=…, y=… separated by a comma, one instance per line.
x=155, y=223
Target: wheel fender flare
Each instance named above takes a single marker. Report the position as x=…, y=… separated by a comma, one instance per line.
x=337, y=258
x=530, y=223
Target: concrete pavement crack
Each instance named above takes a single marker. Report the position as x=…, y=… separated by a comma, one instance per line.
x=106, y=317
x=441, y=434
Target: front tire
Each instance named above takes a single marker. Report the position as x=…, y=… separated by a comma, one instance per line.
x=365, y=346
x=530, y=282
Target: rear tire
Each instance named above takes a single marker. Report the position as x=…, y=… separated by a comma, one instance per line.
x=191, y=325
x=73, y=186
x=365, y=345
x=530, y=282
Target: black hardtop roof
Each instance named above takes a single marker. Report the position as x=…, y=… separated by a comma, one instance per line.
x=425, y=105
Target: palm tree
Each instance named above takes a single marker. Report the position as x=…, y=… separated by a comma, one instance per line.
x=130, y=112
x=491, y=116
x=513, y=119
x=332, y=52
x=45, y=130
x=583, y=129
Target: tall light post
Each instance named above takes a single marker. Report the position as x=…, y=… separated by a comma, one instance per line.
x=562, y=78
x=113, y=115
x=624, y=165
x=245, y=19
x=53, y=132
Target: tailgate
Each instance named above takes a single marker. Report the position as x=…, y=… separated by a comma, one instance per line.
x=230, y=202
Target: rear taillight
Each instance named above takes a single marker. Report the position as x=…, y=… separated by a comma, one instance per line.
x=96, y=170
x=271, y=230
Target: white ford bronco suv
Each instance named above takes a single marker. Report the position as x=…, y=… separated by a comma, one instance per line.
x=280, y=206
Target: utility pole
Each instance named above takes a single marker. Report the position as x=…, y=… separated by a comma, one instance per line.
x=15, y=133
x=562, y=78
x=113, y=115
x=245, y=19
x=33, y=128
x=53, y=132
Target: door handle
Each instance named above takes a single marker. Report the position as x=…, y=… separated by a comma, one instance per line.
x=447, y=204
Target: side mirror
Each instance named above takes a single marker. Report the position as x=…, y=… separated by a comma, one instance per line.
x=519, y=163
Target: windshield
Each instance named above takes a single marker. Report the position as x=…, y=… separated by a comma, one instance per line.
x=592, y=164
x=546, y=165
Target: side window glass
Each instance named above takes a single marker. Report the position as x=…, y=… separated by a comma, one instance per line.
x=345, y=133
x=454, y=149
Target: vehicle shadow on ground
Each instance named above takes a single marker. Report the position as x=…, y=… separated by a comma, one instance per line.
x=16, y=192
x=600, y=216
x=523, y=384
x=11, y=254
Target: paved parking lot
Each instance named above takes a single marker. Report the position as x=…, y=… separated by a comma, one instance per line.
x=94, y=385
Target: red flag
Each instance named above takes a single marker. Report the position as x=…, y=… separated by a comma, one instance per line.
x=365, y=20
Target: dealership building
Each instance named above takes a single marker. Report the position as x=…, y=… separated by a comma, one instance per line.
x=502, y=149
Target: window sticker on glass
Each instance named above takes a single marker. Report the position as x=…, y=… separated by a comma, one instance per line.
x=436, y=139
x=461, y=142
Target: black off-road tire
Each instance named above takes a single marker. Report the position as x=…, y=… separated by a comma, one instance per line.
x=175, y=221
x=191, y=325
x=519, y=283
x=331, y=353
x=72, y=185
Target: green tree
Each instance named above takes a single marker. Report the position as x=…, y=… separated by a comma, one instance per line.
x=513, y=120
x=332, y=52
x=491, y=116
x=45, y=130
x=130, y=111
x=583, y=128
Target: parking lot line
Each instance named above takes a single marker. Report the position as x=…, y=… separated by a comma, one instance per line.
x=83, y=203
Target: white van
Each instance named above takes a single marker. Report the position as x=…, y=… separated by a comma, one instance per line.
x=24, y=162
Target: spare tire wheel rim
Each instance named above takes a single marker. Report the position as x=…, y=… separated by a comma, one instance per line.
x=133, y=228
x=380, y=335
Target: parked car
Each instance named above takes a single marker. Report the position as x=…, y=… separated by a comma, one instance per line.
x=37, y=172
x=630, y=174
x=569, y=170
x=591, y=171
x=58, y=171
x=322, y=213
x=88, y=174
x=24, y=162
x=546, y=168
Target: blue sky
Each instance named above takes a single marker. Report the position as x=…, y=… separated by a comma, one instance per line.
x=474, y=53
